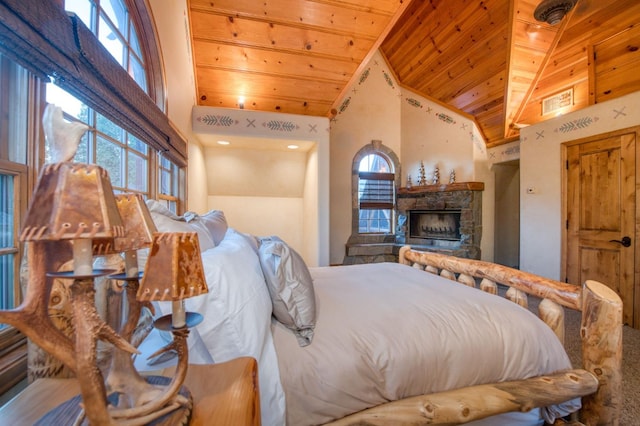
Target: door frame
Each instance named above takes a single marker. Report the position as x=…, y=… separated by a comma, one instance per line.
x=636, y=231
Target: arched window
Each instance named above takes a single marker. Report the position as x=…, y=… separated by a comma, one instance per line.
x=375, y=177
x=129, y=160
x=376, y=194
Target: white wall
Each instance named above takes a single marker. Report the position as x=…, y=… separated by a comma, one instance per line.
x=310, y=209
x=416, y=129
x=171, y=20
x=541, y=170
x=369, y=111
x=261, y=192
x=311, y=180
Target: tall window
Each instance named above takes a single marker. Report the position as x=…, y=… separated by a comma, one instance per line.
x=109, y=20
x=376, y=194
x=14, y=83
x=124, y=156
x=126, y=127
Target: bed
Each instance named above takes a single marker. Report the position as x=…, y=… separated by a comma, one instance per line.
x=401, y=343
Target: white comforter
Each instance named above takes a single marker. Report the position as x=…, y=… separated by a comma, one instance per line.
x=388, y=331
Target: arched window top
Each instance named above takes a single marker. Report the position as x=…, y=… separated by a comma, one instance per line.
x=375, y=162
x=111, y=22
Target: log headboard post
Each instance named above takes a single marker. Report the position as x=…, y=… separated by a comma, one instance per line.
x=601, y=333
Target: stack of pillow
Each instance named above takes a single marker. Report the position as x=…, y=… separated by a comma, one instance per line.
x=251, y=280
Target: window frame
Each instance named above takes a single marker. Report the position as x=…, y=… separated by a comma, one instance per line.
x=377, y=148
x=45, y=50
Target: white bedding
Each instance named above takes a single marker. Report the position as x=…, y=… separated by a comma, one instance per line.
x=382, y=332
x=387, y=331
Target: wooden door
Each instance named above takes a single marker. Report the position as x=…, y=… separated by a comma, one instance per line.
x=601, y=215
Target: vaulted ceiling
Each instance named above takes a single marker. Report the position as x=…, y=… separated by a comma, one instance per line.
x=489, y=60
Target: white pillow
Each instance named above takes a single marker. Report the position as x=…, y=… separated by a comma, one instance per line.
x=290, y=287
x=237, y=318
x=215, y=223
x=167, y=221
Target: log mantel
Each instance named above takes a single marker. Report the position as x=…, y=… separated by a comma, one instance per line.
x=444, y=187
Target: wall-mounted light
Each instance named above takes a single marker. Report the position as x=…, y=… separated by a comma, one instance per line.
x=241, y=102
x=224, y=143
x=293, y=146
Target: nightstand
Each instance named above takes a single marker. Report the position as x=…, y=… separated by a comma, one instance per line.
x=223, y=394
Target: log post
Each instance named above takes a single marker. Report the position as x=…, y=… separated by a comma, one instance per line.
x=432, y=269
x=448, y=275
x=401, y=255
x=467, y=280
x=518, y=297
x=488, y=286
x=553, y=315
x=601, y=333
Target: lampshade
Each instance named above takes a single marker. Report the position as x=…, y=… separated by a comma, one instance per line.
x=138, y=226
x=72, y=201
x=174, y=268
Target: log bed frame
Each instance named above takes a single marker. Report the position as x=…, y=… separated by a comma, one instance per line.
x=599, y=382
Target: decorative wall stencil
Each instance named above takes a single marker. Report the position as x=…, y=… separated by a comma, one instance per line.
x=364, y=75
x=446, y=118
x=282, y=126
x=388, y=79
x=209, y=120
x=514, y=150
x=345, y=105
x=414, y=102
x=580, y=123
x=619, y=113
x=217, y=120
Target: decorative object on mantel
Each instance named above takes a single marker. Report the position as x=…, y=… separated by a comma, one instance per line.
x=423, y=177
x=75, y=202
x=452, y=176
x=436, y=176
x=409, y=183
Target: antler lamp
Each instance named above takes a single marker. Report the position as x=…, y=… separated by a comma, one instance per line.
x=72, y=201
x=173, y=273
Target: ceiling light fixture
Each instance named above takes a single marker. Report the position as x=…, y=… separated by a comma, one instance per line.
x=293, y=146
x=552, y=11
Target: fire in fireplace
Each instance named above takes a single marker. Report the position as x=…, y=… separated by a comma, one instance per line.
x=435, y=224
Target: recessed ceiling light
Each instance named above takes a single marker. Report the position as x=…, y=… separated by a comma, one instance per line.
x=224, y=143
x=293, y=146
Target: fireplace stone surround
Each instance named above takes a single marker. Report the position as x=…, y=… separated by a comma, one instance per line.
x=447, y=203
x=464, y=200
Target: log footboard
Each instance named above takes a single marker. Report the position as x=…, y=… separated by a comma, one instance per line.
x=477, y=402
x=599, y=383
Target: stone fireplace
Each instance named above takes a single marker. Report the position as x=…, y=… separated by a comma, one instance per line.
x=443, y=218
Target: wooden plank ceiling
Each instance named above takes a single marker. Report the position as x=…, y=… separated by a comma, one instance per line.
x=489, y=60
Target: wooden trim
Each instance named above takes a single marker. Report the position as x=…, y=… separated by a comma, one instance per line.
x=13, y=358
x=445, y=187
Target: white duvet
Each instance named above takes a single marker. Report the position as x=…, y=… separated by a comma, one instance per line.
x=388, y=331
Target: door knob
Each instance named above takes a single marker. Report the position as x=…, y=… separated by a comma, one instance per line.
x=626, y=241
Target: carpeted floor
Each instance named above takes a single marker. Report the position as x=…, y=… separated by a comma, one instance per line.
x=630, y=361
